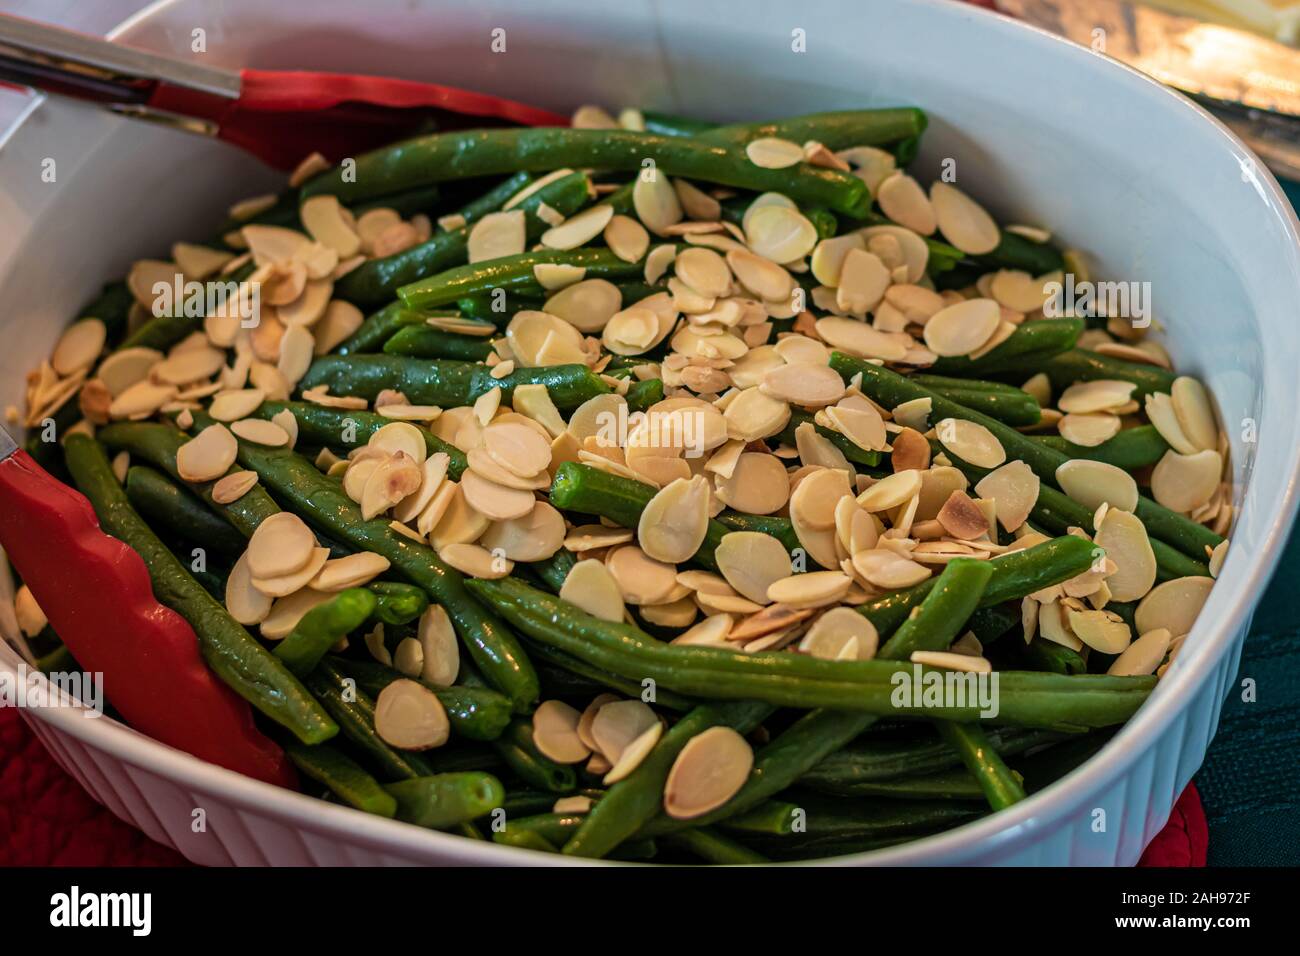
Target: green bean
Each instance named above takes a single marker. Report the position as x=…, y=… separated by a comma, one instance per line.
x=1011, y=407
x=1041, y=338
x=444, y=382
x=991, y=622
x=498, y=306
x=323, y=503
x=342, y=775
x=642, y=395
x=1015, y=575
x=635, y=799
x=396, y=603
x=163, y=502
x=158, y=444
x=380, y=326
x=112, y=307
x=712, y=847
x=163, y=331
x=1131, y=450
x=322, y=626
x=1017, y=252
x=1027, y=699
x=890, y=390
x=838, y=826
x=1000, y=786
x=564, y=675
x=773, y=818
x=945, y=785
x=457, y=155
x=867, y=762
x=1044, y=655
x=349, y=428
x=943, y=612
x=424, y=341
x=555, y=569
x=378, y=280
x=515, y=746
x=1044, y=768
x=1081, y=365
x=232, y=653
x=446, y=800
x=517, y=273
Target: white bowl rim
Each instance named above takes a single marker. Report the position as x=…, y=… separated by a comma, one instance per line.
x=1054, y=802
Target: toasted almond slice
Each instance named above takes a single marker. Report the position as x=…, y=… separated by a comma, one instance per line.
x=400, y=437
x=232, y=487
x=710, y=632
x=1143, y=656
x=634, y=753
x=1092, y=482
x=708, y=772
x=892, y=491
x=833, y=632
x=751, y=562
x=325, y=220
x=816, y=497
x=1018, y=290
x=772, y=152
x=281, y=545
x=813, y=589
x=888, y=569
x=1103, y=631
x=674, y=522
x=627, y=238
x=286, y=612
x=496, y=235
x=1173, y=605
x=676, y=615
x=409, y=716
x=409, y=657
x=517, y=448
x=1195, y=413
x=902, y=199
x=1013, y=489
x=828, y=257
x=351, y=571
x=555, y=732
x=284, y=585
x=773, y=619
x=126, y=367
x=952, y=661
x=409, y=413
x=655, y=202
x=494, y=501
x=963, y=222
x=1089, y=430
x=641, y=579
x=79, y=346
x=752, y=415
x=199, y=262
x=260, y=432
x=962, y=328
x=619, y=722
x=1185, y=482
x=864, y=278
x=1097, y=395
x=1124, y=539
x=189, y=365
x=588, y=717
x=587, y=305
x=534, y=537
x=804, y=383
x=441, y=661
x=779, y=233
x=392, y=480
x=1160, y=409
x=246, y=604
x=475, y=561
x=590, y=587
x=971, y=442
x=962, y=518
x=859, y=339
x=1217, y=557
x=592, y=537
x=704, y=271
x=580, y=229
x=145, y=275
x=234, y=405
x=208, y=455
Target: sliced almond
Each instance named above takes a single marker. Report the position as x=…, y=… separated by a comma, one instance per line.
x=555, y=732
x=246, y=604
x=260, y=432
x=655, y=201
x=708, y=772
x=475, y=561
x=779, y=233
x=580, y=229
x=288, y=611
x=591, y=587
x=962, y=328
x=859, y=339
x=1173, y=605
x=634, y=753
x=812, y=589
x=962, y=518
x=324, y=219
x=392, y=480
x=751, y=562
x=902, y=199
x=1143, y=656
x=864, y=278
x=234, y=405
x=409, y=716
x=617, y=724
x=496, y=235
x=888, y=569
x=771, y=152
x=1091, y=483
x=841, y=634
x=284, y=585
x=890, y=492
x=1124, y=539
x=971, y=442
x=1089, y=430
x=230, y=488
x=1195, y=413
x=1185, y=482
x=208, y=455
x=962, y=221
x=1098, y=395
x=752, y=415
x=1013, y=489
x=494, y=501
x=627, y=238
x=79, y=346
x=437, y=637
x=1103, y=631
x=350, y=571
x=710, y=632
x=805, y=384
x=951, y=661
x=674, y=522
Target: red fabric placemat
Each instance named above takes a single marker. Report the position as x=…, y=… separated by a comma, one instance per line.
x=46, y=819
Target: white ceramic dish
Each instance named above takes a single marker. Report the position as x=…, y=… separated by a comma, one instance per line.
x=1043, y=132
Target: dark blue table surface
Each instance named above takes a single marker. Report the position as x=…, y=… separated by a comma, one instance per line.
x=1250, y=782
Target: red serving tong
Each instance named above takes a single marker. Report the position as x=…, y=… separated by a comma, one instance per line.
x=278, y=116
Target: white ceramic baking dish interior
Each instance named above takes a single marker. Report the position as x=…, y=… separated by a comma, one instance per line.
x=1043, y=132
